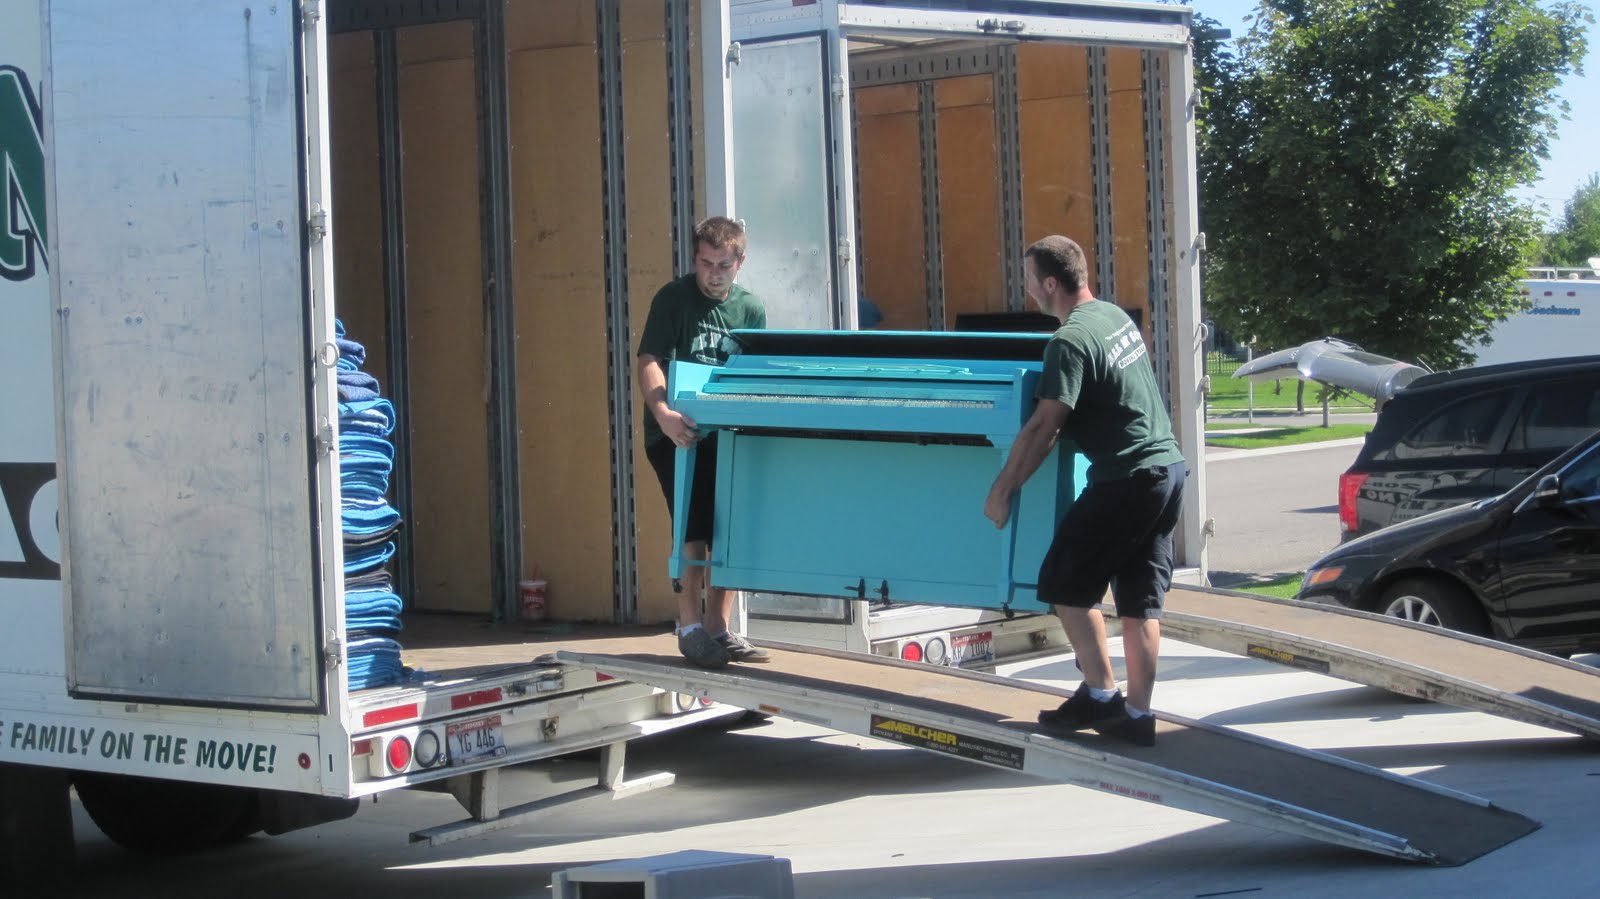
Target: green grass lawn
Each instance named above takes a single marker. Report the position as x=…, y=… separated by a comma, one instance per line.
x=1281, y=587
x=1286, y=436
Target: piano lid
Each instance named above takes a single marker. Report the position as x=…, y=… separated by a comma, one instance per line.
x=894, y=344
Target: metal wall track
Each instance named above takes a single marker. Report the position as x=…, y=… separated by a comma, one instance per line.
x=1008, y=124
x=933, y=244
x=1158, y=211
x=391, y=192
x=500, y=311
x=624, y=568
x=1105, y=231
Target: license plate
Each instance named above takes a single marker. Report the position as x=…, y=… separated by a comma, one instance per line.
x=972, y=649
x=476, y=739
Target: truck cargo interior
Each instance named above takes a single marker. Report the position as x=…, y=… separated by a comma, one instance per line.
x=496, y=246
x=442, y=247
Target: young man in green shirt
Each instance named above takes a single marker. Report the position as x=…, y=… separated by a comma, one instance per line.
x=690, y=319
x=1099, y=391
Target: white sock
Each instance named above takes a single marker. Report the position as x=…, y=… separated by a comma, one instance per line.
x=1099, y=695
x=1135, y=713
x=688, y=629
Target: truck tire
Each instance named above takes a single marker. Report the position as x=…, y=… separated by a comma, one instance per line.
x=1434, y=601
x=167, y=817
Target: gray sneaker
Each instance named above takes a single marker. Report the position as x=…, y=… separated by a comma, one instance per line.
x=703, y=649
x=741, y=650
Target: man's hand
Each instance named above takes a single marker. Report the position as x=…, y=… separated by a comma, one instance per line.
x=997, y=508
x=679, y=428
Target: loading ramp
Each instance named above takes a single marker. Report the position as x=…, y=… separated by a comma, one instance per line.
x=1193, y=766
x=1410, y=659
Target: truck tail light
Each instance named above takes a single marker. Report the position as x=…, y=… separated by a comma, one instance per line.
x=399, y=754
x=911, y=651
x=429, y=751
x=1349, y=488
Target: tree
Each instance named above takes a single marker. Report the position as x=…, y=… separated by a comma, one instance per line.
x=1357, y=160
x=1576, y=239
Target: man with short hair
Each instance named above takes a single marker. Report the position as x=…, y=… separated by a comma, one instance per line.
x=690, y=318
x=1099, y=391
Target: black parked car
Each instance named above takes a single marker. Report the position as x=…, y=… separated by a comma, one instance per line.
x=1461, y=436
x=1523, y=566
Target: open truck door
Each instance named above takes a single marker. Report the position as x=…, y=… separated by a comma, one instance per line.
x=195, y=355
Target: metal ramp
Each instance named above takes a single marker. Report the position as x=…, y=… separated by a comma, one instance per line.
x=1409, y=659
x=1193, y=766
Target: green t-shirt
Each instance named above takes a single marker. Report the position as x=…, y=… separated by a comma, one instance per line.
x=1098, y=365
x=686, y=324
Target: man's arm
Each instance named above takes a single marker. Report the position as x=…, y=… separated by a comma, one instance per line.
x=1027, y=454
x=653, y=387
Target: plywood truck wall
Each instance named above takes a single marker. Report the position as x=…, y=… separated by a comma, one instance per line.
x=1129, y=184
x=1056, y=148
x=969, y=196
x=558, y=265
x=358, y=272
x=1057, y=163
x=894, y=270
x=558, y=225
x=448, y=426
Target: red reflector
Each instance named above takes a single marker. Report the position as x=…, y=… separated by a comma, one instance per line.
x=361, y=747
x=1349, y=488
x=389, y=715
x=399, y=754
x=911, y=652
x=600, y=677
x=476, y=697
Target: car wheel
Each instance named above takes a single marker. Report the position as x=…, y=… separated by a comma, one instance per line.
x=1434, y=602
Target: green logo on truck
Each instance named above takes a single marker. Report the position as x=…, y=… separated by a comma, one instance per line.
x=22, y=223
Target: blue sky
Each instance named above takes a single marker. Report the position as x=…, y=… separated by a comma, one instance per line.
x=1573, y=153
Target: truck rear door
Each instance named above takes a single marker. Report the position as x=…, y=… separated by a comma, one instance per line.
x=187, y=258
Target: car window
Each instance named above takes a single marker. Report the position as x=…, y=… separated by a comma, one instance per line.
x=1558, y=415
x=1581, y=480
x=1462, y=428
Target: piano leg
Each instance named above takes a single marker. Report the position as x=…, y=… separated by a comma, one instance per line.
x=682, y=490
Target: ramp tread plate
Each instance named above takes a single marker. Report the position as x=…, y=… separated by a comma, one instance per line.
x=1451, y=829
x=1498, y=668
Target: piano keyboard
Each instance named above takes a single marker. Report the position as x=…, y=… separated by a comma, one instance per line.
x=846, y=400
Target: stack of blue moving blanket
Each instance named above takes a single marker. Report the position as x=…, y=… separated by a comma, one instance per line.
x=366, y=457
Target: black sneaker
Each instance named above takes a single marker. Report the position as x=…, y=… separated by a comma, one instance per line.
x=1140, y=731
x=741, y=650
x=703, y=649
x=1082, y=711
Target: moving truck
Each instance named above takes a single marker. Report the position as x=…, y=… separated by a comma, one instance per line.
x=484, y=194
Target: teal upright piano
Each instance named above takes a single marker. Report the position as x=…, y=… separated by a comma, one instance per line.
x=855, y=464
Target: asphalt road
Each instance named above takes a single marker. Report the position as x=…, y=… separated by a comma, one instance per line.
x=1276, y=511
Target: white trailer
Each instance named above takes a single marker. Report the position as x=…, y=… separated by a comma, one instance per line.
x=1563, y=320
x=225, y=179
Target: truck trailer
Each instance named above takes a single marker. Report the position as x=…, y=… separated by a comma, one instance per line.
x=484, y=194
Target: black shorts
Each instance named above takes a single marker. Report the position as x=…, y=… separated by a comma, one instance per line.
x=702, y=498
x=1118, y=535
